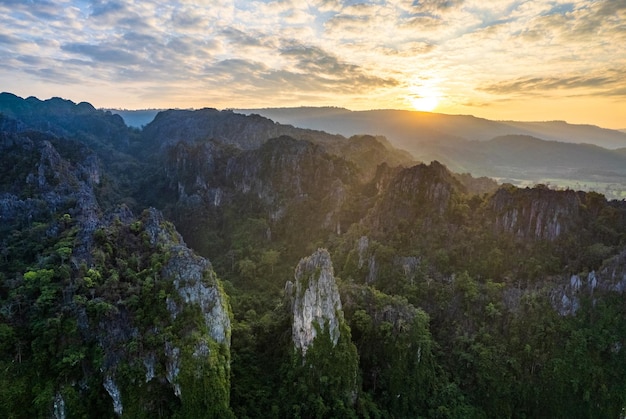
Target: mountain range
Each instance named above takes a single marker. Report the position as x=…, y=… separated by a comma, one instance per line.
x=215, y=264
x=556, y=153
x=559, y=154
x=404, y=128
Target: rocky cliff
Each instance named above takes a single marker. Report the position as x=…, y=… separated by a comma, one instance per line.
x=316, y=304
x=100, y=305
x=537, y=213
x=324, y=358
x=165, y=316
x=566, y=292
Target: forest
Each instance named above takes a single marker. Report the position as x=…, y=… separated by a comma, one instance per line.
x=212, y=264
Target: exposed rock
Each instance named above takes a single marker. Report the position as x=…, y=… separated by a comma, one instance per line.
x=153, y=224
x=537, y=213
x=59, y=407
x=611, y=277
x=286, y=168
x=315, y=300
x=362, y=247
x=53, y=184
x=150, y=362
x=197, y=286
x=409, y=266
x=196, y=283
x=116, y=395
x=172, y=367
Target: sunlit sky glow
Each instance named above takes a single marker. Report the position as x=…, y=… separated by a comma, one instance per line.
x=498, y=59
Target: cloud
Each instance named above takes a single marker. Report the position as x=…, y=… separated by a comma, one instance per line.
x=104, y=53
x=105, y=8
x=348, y=51
x=314, y=70
x=53, y=75
x=607, y=82
x=436, y=6
x=10, y=40
x=186, y=18
x=42, y=9
x=240, y=38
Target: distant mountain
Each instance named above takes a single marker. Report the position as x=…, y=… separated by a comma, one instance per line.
x=523, y=153
x=405, y=128
x=65, y=118
x=533, y=154
x=252, y=131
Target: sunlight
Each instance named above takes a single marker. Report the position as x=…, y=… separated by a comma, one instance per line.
x=423, y=98
x=424, y=103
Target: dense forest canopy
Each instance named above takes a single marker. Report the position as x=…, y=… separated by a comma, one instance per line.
x=213, y=264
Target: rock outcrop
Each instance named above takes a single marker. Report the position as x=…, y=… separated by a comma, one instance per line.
x=204, y=346
x=610, y=277
x=138, y=296
x=422, y=192
x=538, y=213
x=315, y=300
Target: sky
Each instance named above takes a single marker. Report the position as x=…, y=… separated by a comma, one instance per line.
x=531, y=60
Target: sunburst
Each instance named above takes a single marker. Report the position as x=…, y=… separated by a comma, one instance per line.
x=424, y=98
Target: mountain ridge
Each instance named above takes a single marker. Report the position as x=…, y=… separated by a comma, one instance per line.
x=425, y=289
x=465, y=126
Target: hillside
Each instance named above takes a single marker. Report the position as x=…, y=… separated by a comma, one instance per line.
x=246, y=268
x=565, y=157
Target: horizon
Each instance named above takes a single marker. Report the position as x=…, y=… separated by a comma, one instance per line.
x=234, y=109
x=510, y=60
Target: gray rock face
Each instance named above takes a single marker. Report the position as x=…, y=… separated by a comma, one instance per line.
x=197, y=287
x=611, y=277
x=111, y=387
x=196, y=283
x=52, y=184
x=315, y=300
x=537, y=213
x=59, y=407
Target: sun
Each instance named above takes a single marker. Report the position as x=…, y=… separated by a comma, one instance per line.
x=423, y=97
x=424, y=103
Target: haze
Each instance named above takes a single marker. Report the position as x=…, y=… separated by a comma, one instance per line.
x=502, y=60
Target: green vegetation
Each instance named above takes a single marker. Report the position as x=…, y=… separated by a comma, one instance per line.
x=66, y=330
x=460, y=299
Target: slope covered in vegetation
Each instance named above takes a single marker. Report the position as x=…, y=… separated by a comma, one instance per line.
x=344, y=280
